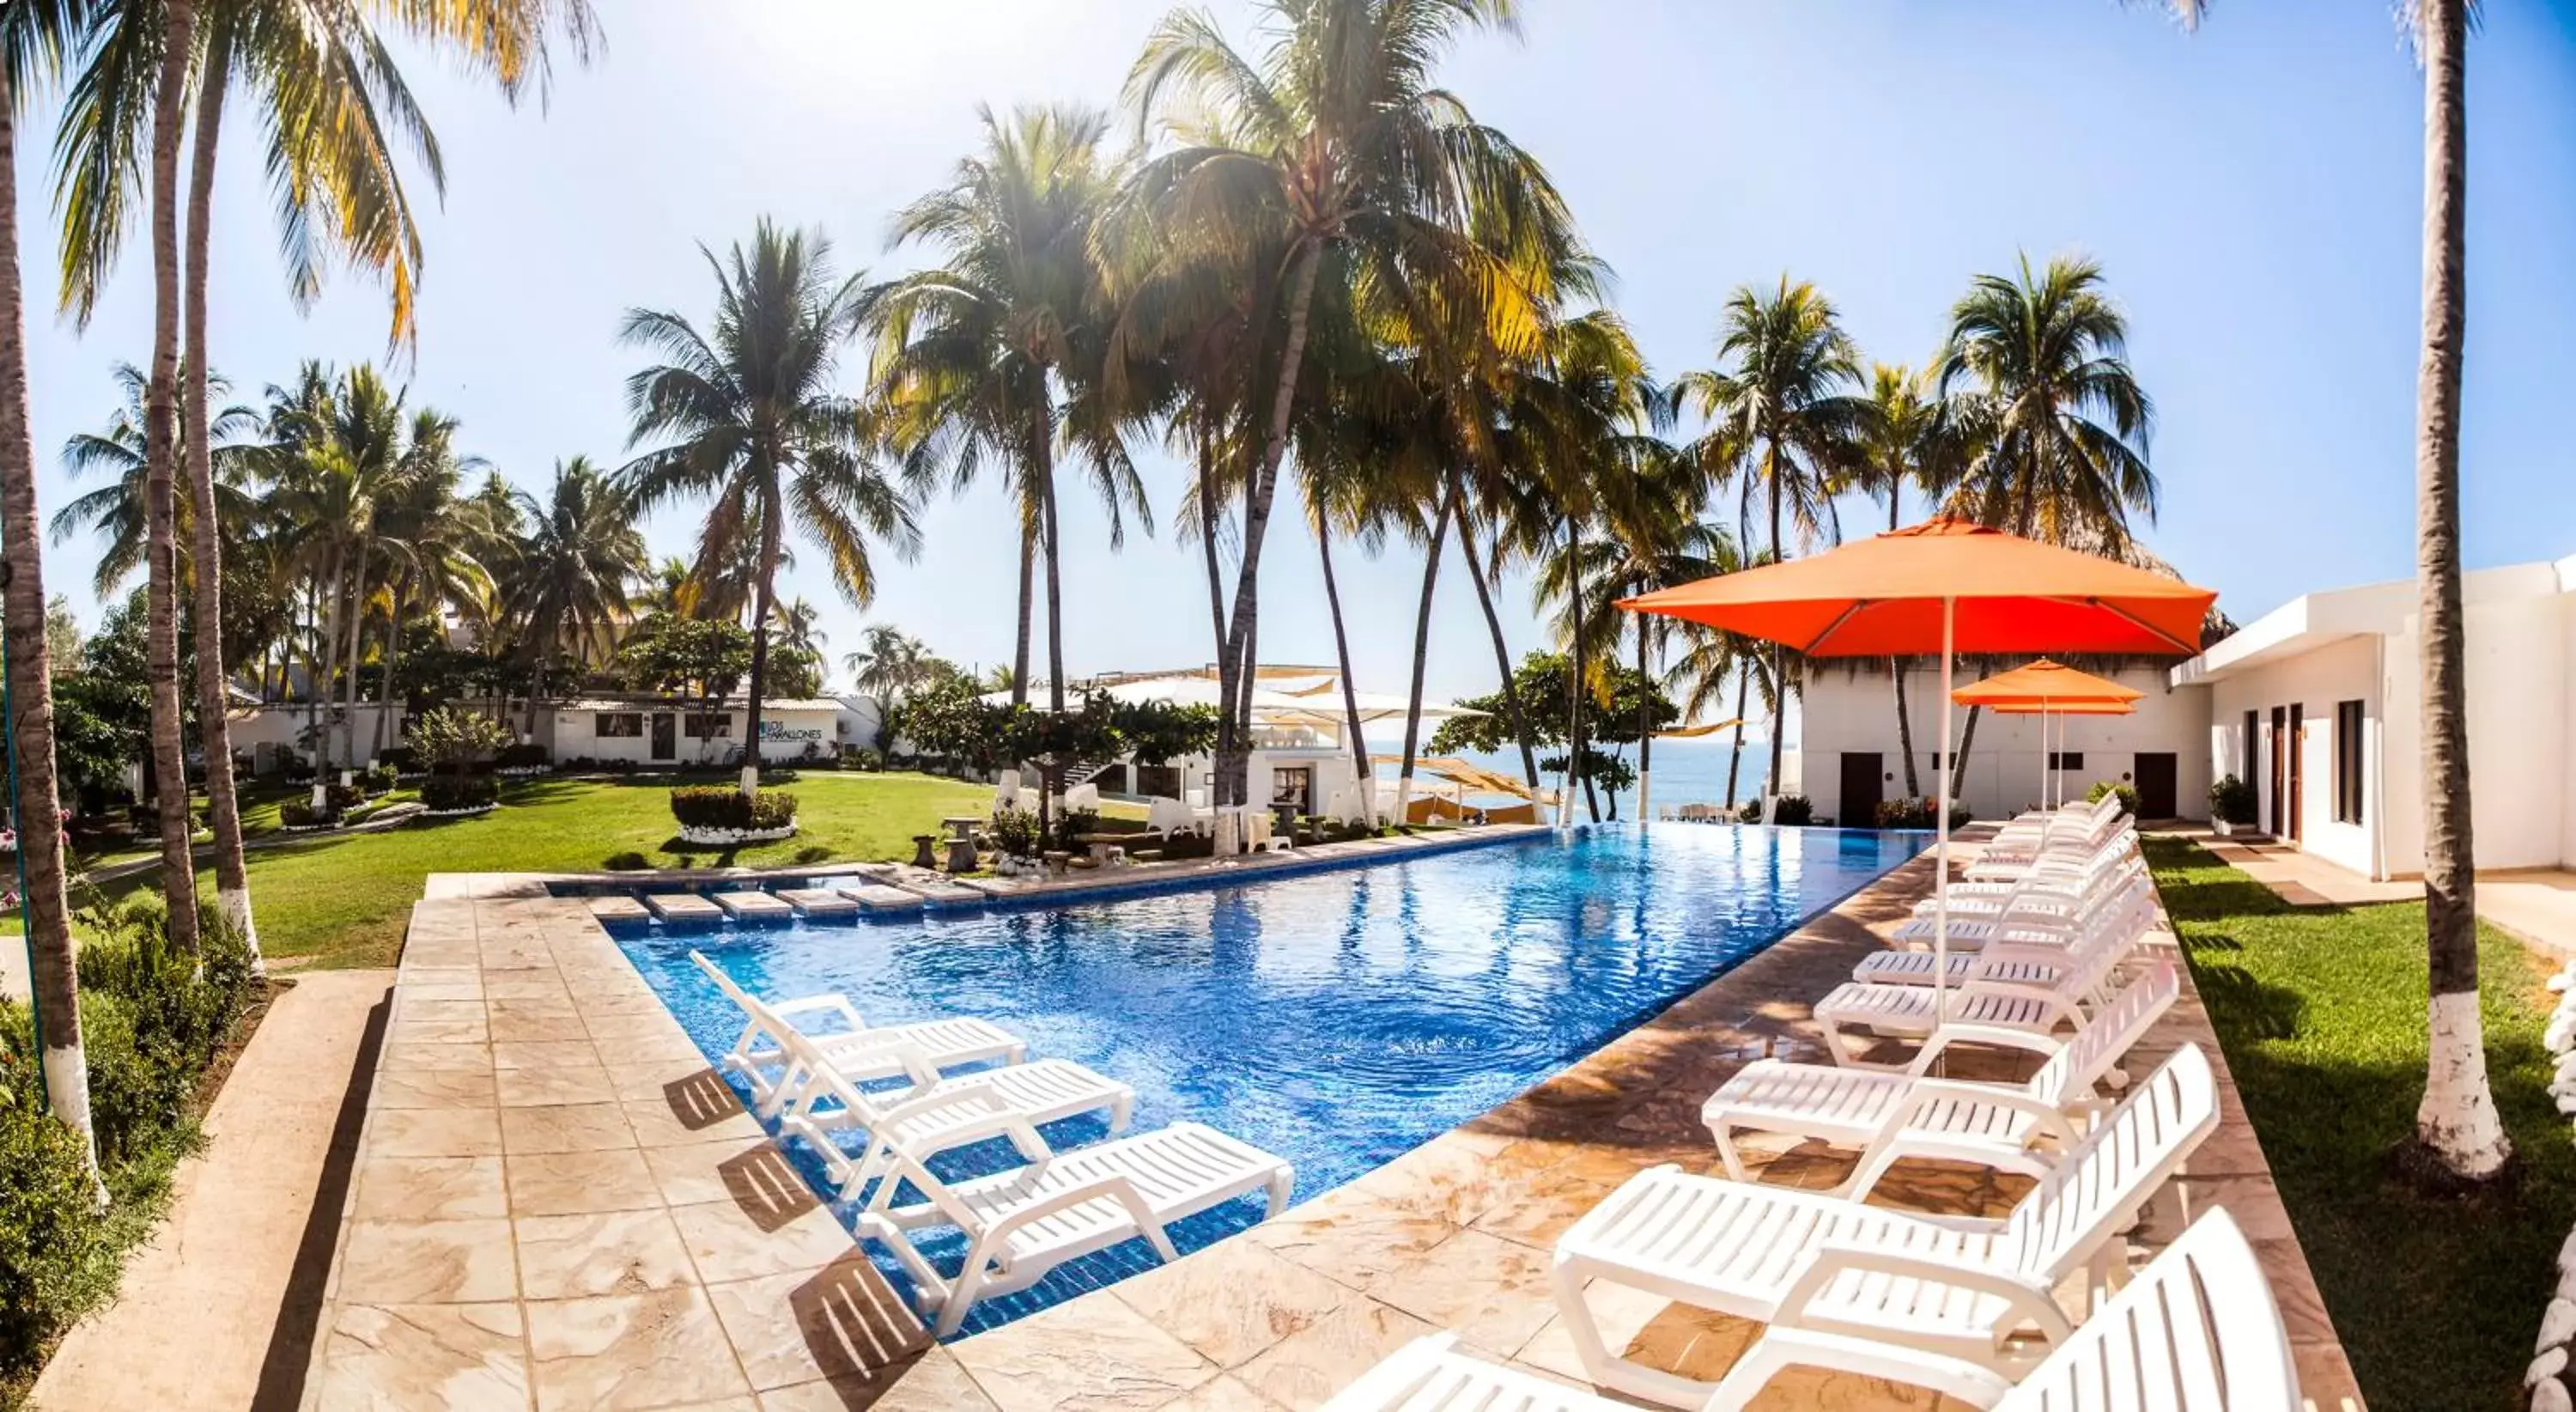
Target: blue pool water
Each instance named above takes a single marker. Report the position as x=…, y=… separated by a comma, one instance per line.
x=1337, y=1017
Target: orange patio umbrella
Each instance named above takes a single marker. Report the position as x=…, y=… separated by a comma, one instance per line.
x=1945, y=586
x=2045, y=687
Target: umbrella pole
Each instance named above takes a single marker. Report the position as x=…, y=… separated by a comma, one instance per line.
x=2043, y=752
x=1941, y=821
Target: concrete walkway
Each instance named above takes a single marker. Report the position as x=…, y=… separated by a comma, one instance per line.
x=219, y=1310
x=2537, y=905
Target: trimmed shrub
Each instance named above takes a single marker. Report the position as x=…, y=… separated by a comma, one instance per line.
x=525, y=755
x=344, y=797
x=296, y=813
x=445, y=792
x=1076, y=822
x=380, y=779
x=401, y=758
x=721, y=806
x=1015, y=833
x=2128, y=795
x=2232, y=801
x=1795, y=811
x=58, y=1254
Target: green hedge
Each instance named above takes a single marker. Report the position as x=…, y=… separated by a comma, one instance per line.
x=151, y=1024
x=459, y=791
x=717, y=806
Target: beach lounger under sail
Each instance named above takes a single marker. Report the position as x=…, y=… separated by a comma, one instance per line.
x=1024, y=1222
x=2021, y=1127
x=858, y=1050
x=1041, y=1090
x=1955, y=1286
x=2197, y=1330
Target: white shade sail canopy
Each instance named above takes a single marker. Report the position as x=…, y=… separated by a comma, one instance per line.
x=1314, y=704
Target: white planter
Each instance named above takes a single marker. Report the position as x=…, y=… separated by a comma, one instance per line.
x=725, y=838
x=469, y=812
x=2222, y=828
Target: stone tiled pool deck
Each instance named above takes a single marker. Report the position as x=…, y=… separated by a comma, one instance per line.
x=558, y=1205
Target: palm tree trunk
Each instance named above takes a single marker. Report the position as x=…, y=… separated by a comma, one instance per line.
x=762, y=595
x=161, y=435
x=44, y=912
x=318, y=672
x=1366, y=779
x=1512, y=710
x=357, y=644
x=223, y=810
x=1265, y=480
x=1051, y=770
x=1028, y=612
x=1422, y=649
x=1208, y=512
x=1779, y=665
x=1575, y=762
x=1735, y=757
x=1645, y=732
x=1904, y=728
x=385, y=679
x=2456, y=1125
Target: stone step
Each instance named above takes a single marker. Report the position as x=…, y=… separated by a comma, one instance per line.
x=752, y=906
x=881, y=899
x=818, y=902
x=621, y=907
x=682, y=907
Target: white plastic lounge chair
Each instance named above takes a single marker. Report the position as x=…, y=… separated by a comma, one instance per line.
x=1430, y=1374
x=2089, y=825
x=1956, y=1286
x=2030, y=950
x=2074, y=859
x=1042, y=1091
x=1006, y=787
x=1907, y=1011
x=2023, y=1127
x=2197, y=1330
x=858, y=1050
x=1973, y=920
x=2073, y=877
x=1028, y=1220
x=1083, y=796
x=1167, y=815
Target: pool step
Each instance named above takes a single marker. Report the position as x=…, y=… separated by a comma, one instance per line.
x=682, y=907
x=881, y=899
x=620, y=908
x=818, y=902
x=752, y=906
x=942, y=893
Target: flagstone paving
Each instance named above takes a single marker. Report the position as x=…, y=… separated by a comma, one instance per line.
x=557, y=1205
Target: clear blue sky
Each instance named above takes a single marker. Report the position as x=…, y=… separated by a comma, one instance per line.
x=2253, y=191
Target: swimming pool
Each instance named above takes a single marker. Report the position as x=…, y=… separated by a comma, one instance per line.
x=1337, y=1017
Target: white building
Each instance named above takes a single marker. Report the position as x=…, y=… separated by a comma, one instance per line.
x=682, y=732
x=2319, y=705
x=1850, y=759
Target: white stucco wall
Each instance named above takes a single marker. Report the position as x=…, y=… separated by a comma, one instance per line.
x=788, y=730
x=2315, y=681
x=1853, y=708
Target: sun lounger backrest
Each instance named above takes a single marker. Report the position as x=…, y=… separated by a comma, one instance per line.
x=2071, y=1072
x=2196, y=1330
x=2114, y=1168
x=724, y=982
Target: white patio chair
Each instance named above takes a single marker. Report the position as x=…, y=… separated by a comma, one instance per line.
x=1167, y=815
x=1962, y=1287
x=2027, y=948
x=1042, y=1091
x=1908, y=1011
x=1006, y=787
x=2197, y=1330
x=1062, y=1205
x=858, y=1050
x=2024, y=1127
x=1083, y=796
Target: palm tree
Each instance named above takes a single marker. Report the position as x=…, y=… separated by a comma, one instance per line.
x=335, y=112
x=1338, y=150
x=1785, y=416
x=116, y=511
x=889, y=666
x=2043, y=359
x=1908, y=441
x=753, y=424
x=566, y=586
x=983, y=355
x=33, y=35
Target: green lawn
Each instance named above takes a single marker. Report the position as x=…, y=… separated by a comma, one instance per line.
x=343, y=901
x=2321, y=1011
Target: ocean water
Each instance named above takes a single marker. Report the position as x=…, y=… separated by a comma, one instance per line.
x=1686, y=772
x=1337, y=1018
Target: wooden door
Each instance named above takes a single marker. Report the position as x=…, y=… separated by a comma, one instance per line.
x=2156, y=774
x=2279, y=750
x=2298, y=740
x=1864, y=775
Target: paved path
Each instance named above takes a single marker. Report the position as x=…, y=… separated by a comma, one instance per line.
x=218, y=1311
x=2538, y=905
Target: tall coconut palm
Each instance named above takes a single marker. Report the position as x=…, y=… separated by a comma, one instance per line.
x=116, y=512
x=565, y=591
x=1783, y=404
x=1338, y=149
x=981, y=356
x=1909, y=442
x=751, y=422
x=335, y=116
x=33, y=37
x=2041, y=358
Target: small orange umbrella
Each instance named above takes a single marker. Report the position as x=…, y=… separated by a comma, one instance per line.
x=1945, y=586
x=2045, y=687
